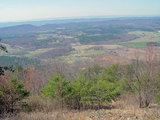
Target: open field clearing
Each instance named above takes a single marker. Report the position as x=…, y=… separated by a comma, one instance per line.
x=122, y=55
x=86, y=52
x=136, y=44
x=146, y=36
x=11, y=50
x=46, y=36
x=143, y=38
x=83, y=47
x=81, y=55
x=38, y=51
x=49, y=36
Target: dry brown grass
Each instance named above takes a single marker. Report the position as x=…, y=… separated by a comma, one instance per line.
x=125, y=108
x=41, y=104
x=131, y=113
x=54, y=115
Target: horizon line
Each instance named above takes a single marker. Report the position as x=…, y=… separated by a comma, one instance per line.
x=79, y=17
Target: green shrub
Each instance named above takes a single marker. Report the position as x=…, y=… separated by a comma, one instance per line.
x=11, y=94
x=57, y=88
x=97, y=87
x=93, y=87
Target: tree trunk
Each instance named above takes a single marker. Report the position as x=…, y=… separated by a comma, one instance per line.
x=140, y=100
x=146, y=103
x=146, y=100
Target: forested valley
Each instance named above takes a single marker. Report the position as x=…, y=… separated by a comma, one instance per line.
x=97, y=70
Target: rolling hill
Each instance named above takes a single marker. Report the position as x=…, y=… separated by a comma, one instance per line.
x=61, y=38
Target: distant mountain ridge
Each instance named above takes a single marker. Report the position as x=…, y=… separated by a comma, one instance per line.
x=57, y=21
x=69, y=20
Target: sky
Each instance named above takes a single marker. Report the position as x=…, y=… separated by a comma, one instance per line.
x=23, y=10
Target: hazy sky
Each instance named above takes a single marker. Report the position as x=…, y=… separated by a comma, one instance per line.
x=13, y=10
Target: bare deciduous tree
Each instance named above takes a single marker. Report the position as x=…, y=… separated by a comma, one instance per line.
x=140, y=76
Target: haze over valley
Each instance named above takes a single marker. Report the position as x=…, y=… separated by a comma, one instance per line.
x=80, y=60
x=81, y=39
